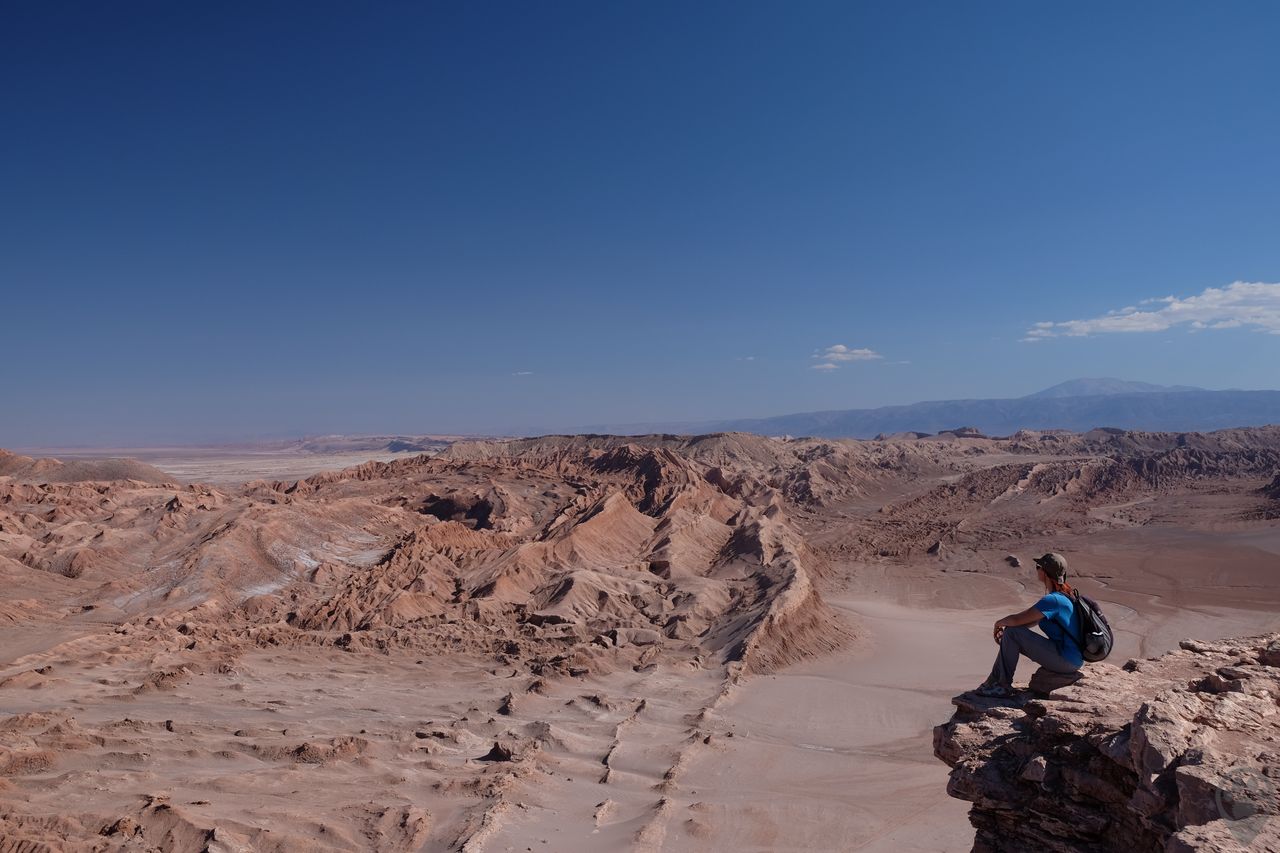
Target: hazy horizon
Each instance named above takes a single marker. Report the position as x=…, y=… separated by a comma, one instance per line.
x=244, y=222
x=265, y=438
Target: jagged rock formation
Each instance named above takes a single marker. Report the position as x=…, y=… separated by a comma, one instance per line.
x=1175, y=753
x=526, y=550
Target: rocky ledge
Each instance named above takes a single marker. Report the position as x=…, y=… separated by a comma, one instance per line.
x=1175, y=753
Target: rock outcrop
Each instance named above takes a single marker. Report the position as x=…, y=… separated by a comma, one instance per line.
x=1272, y=489
x=1174, y=754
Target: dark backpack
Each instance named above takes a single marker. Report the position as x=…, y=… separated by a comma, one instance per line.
x=1095, y=637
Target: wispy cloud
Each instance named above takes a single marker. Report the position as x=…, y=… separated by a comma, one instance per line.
x=523, y=373
x=833, y=356
x=745, y=358
x=1242, y=304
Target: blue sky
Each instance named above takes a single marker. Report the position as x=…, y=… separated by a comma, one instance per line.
x=242, y=220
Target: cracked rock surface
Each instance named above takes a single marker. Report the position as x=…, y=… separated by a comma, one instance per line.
x=1175, y=753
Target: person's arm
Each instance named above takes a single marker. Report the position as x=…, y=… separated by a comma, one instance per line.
x=1030, y=616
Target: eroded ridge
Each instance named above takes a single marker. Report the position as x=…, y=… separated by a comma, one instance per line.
x=193, y=626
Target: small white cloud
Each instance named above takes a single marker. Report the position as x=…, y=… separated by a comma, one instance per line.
x=826, y=365
x=1242, y=304
x=834, y=356
x=840, y=352
x=745, y=358
x=523, y=373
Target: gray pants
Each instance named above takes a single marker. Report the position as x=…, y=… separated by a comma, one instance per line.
x=1021, y=640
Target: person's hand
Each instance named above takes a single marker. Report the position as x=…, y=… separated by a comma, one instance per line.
x=997, y=632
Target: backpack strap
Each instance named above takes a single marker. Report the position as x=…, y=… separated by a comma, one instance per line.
x=1077, y=636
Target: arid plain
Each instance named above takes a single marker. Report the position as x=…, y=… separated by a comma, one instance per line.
x=572, y=642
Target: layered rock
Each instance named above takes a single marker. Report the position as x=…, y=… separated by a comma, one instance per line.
x=1175, y=753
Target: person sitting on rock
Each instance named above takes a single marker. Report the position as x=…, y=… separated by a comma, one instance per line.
x=1055, y=650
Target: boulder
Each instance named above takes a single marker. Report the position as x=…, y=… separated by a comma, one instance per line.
x=1045, y=681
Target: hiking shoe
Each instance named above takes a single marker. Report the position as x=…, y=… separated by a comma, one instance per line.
x=994, y=691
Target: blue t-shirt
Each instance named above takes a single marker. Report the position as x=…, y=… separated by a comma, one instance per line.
x=1059, y=610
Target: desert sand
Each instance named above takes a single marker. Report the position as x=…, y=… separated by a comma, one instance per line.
x=721, y=642
x=265, y=460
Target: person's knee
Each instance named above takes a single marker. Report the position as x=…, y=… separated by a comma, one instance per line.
x=1014, y=635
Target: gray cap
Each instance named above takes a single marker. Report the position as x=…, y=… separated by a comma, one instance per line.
x=1054, y=565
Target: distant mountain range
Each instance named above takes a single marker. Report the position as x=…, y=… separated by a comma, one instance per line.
x=1077, y=405
x=1105, y=386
